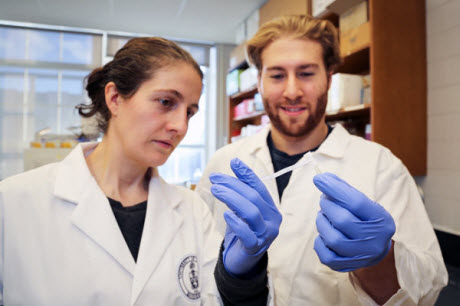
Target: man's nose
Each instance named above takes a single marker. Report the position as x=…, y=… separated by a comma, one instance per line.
x=292, y=90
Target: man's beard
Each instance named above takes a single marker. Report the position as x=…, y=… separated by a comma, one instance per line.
x=304, y=129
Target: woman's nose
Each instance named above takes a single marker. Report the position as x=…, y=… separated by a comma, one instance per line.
x=178, y=122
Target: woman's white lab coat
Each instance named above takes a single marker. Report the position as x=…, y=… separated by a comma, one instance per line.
x=61, y=245
x=299, y=277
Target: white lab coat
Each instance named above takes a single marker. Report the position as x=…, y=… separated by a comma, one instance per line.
x=299, y=277
x=60, y=243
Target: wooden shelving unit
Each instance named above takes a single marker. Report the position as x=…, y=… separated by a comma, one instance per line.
x=252, y=116
x=353, y=119
x=240, y=96
x=396, y=60
x=237, y=123
x=360, y=111
x=399, y=85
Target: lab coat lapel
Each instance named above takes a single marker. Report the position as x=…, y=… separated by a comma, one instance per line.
x=336, y=143
x=264, y=164
x=265, y=167
x=92, y=214
x=162, y=224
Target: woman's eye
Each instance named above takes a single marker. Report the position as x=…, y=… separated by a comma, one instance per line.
x=165, y=102
x=277, y=76
x=190, y=113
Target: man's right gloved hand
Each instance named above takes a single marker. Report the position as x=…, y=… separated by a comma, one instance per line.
x=253, y=220
x=354, y=231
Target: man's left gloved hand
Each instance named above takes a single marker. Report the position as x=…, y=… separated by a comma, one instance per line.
x=253, y=220
x=354, y=231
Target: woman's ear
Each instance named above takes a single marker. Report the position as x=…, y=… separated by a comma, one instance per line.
x=112, y=98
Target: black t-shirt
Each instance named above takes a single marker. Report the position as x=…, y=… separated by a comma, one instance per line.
x=282, y=160
x=251, y=291
x=131, y=222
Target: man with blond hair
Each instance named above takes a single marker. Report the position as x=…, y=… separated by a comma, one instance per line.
x=358, y=236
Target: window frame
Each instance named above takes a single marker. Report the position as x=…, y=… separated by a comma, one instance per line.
x=103, y=58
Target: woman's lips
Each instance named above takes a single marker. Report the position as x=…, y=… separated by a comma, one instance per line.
x=163, y=144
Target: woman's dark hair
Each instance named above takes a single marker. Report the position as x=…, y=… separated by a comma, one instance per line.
x=132, y=65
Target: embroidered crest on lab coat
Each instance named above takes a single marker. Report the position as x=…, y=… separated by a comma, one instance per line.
x=188, y=276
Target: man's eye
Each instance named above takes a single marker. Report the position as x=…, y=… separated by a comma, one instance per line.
x=165, y=102
x=306, y=74
x=277, y=76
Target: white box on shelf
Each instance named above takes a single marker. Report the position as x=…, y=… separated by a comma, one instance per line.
x=240, y=35
x=233, y=82
x=366, y=93
x=258, y=103
x=345, y=91
x=248, y=78
x=252, y=24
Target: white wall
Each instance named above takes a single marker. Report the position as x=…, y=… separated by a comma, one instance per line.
x=442, y=184
x=223, y=52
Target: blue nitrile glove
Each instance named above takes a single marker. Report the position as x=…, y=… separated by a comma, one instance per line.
x=253, y=220
x=354, y=231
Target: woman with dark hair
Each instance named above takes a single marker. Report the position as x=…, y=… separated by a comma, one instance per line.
x=101, y=227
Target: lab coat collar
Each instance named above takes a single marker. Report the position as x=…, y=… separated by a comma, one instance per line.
x=162, y=224
x=333, y=146
x=336, y=143
x=258, y=142
x=258, y=148
x=93, y=216
x=72, y=174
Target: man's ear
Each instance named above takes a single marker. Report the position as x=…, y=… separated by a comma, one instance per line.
x=112, y=98
x=259, y=82
x=329, y=78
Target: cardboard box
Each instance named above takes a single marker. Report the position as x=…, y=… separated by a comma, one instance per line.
x=319, y=7
x=345, y=91
x=341, y=6
x=276, y=8
x=355, y=39
x=353, y=17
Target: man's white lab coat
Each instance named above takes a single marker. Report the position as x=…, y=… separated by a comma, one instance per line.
x=299, y=277
x=60, y=243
